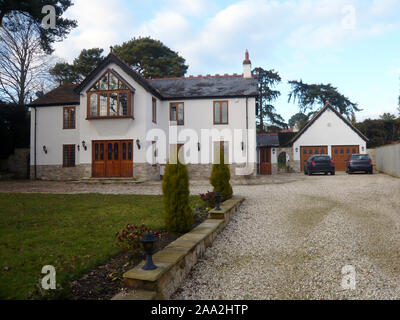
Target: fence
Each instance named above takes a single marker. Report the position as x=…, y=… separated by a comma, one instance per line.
x=388, y=159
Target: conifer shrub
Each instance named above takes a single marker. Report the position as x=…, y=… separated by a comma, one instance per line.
x=178, y=215
x=220, y=176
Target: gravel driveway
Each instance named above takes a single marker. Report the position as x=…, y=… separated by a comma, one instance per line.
x=290, y=241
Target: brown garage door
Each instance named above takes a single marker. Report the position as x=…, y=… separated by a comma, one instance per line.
x=307, y=152
x=341, y=154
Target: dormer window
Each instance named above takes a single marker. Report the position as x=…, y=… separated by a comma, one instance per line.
x=109, y=97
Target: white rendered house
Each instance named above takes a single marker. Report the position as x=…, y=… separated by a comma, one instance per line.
x=115, y=123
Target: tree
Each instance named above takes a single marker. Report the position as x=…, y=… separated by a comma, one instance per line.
x=387, y=116
x=23, y=63
x=178, y=215
x=14, y=128
x=267, y=80
x=220, y=176
x=64, y=72
x=87, y=61
x=380, y=131
x=300, y=119
x=151, y=58
x=84, y=64
x=32, y=10
x=308, y=95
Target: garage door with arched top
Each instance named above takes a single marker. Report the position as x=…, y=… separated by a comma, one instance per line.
x=341, y=154
x=307, y=152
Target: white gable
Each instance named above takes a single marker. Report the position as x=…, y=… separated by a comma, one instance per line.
x=328, y=130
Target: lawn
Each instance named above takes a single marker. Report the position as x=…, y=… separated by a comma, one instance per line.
x=72, y=232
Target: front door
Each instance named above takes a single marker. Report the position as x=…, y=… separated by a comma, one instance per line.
x=112, y=158
x=265, y=160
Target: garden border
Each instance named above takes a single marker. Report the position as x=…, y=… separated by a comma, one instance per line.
x=177, y=259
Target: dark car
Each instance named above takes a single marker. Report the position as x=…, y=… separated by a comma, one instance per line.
x=359, y=162
x=319, y=164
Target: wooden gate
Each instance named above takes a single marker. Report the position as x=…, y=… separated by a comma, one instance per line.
x=265, y=160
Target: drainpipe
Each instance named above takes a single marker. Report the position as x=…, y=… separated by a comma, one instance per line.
x=247, y=130
x=34, y=144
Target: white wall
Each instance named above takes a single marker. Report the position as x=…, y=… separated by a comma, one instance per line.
x=198, y=115
x=328, y=130
x=388, y=159
x=50, y=133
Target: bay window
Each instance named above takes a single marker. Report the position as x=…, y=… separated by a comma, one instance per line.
x=109, y=97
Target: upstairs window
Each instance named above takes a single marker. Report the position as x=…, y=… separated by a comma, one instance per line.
x=154, y=110
x=109, y=97
x=69, y=118
x=176, y=112
x=220, y=112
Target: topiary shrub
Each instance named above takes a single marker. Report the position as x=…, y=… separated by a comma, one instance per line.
x=220, y=176
x=178, y=215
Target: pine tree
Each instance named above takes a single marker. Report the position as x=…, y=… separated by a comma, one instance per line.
x=220, y=176
x=178, y=215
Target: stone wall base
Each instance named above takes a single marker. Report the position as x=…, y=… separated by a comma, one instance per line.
x=58, y=172
x=203, y=171
x=141, y=172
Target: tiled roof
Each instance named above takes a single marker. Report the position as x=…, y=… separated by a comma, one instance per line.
x=166, y=88
x=205, y=86
x=62, y=95
x=267, y=140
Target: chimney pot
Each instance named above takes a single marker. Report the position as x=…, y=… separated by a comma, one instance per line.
x=247, y=65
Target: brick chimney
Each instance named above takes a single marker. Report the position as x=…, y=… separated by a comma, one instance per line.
x=247, y=66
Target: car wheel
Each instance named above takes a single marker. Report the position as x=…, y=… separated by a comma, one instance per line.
x=371, y=172
x=333, y=173
x=308, y=173
x=305, y=171
x=347, y=170
x=326, y=173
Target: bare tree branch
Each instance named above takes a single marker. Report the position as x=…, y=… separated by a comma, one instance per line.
x=23, y=63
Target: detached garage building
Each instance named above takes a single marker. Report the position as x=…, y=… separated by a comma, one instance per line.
x=328, y=133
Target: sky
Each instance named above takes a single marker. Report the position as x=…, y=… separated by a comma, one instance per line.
x=352, y=44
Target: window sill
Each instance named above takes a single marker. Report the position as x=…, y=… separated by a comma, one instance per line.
x=110, y=117
x=224, y=124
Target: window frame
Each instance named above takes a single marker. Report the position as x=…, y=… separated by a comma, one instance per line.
x=183, y=112
x=154, y=110
x=69, y=117
x=71, y=146
x=220, y=112
x=98, y=92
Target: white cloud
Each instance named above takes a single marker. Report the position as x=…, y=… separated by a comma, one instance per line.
x=195, y=8
x=169, y=26
x=101, y=23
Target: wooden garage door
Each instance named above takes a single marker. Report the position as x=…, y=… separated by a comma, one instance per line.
x=341, y=154
x=307, y=152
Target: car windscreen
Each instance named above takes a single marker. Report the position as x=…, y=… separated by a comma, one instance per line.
x=322, y=158
x=360, y=157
